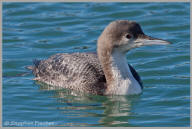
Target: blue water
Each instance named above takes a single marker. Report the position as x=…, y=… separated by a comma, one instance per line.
x=39, y=30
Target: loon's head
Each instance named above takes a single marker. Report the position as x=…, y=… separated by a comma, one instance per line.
x=125, y=35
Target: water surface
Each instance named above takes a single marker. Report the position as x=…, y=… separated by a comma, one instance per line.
x=38, y=30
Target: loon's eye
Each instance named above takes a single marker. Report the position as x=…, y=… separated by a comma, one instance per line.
x=128, y=36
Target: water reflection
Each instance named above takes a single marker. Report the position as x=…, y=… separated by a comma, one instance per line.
x=106, y=110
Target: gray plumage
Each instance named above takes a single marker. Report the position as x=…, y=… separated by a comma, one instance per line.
x=77, y=71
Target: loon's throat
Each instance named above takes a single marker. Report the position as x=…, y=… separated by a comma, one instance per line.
x=123, y=81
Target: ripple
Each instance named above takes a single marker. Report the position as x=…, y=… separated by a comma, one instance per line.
x=41, y=29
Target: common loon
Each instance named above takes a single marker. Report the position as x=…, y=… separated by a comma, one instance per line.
x=104, y=73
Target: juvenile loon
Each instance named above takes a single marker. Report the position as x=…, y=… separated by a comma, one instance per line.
x=104, y=73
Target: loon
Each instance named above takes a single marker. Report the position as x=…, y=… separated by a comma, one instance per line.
x=103, y=73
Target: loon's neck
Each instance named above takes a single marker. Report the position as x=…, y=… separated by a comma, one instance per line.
x=120, y=80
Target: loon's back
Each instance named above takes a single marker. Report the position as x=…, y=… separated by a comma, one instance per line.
x=77, y=71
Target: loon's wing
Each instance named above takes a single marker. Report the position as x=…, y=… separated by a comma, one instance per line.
x=136, y=76
x=79, y=71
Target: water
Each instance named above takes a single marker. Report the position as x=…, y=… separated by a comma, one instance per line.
x=38, y=30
